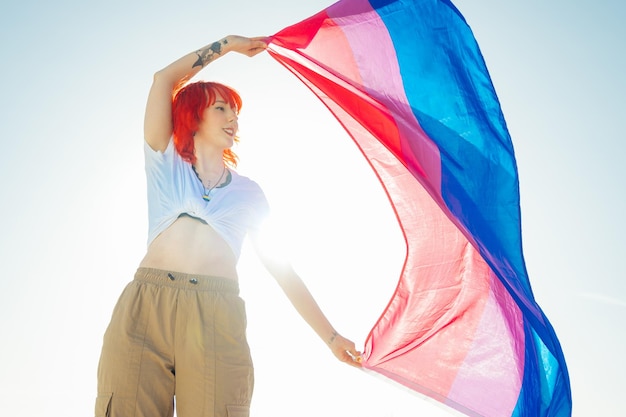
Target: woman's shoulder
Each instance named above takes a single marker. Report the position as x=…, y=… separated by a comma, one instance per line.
x=244, y=182
x=239, y=178
x=167, y=149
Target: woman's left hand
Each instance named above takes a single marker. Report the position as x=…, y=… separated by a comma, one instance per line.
x=345, y=351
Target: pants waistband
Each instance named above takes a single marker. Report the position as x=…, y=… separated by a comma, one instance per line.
x=187, y=281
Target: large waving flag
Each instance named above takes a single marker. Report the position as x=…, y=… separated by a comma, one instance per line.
x=407, y=81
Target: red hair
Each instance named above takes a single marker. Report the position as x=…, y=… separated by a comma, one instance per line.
x=188, y=104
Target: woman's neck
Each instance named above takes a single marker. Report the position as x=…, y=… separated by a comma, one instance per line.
x=209, y=160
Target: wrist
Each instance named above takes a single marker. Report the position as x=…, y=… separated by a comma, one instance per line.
x=332, y=338
x=225, y=45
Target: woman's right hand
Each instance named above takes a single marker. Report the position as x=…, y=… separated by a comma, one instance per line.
x=246, y=46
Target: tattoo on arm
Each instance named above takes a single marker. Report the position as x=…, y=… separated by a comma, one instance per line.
x=209, y=53
x=332, y=338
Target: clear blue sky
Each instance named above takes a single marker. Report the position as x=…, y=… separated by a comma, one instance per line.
x=73, y=219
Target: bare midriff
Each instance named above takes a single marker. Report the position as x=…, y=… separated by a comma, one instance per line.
x=191, y=246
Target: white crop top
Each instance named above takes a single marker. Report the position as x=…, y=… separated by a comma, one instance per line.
x=173, y=189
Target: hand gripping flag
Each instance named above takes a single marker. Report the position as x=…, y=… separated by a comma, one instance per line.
x=407, y=81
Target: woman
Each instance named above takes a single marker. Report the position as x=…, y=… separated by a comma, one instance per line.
x=178, y=329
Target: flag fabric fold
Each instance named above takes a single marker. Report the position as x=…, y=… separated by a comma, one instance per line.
x=407, y=81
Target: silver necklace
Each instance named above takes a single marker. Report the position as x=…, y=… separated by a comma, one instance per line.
x=206, y=195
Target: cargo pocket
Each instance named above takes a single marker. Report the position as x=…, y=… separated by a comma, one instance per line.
x=103, y=404
x=238, y=411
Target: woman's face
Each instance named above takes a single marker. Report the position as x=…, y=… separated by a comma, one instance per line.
x=219, y=124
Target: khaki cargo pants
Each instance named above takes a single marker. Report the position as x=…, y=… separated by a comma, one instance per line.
x=179, y=336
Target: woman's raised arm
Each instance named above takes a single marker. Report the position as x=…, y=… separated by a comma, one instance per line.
x=158, y=116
